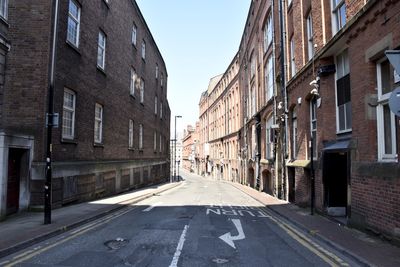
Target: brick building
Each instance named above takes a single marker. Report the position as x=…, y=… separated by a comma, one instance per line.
x=188, y=152
x=219, y=125
x=339, y=52
x=110, y=93
x=315, y=125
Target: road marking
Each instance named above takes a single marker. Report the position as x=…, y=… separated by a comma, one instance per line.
x=74, y=233
x=228, y=238
x=324, y=254
x=152, y=207
x=175, y=259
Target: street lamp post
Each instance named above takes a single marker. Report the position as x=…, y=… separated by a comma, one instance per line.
x=177, y=116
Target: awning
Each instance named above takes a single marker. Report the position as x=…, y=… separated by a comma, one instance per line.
x=337, y=146
x=298, y=163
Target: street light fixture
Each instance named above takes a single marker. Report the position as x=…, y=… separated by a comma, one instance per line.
x=177, y=116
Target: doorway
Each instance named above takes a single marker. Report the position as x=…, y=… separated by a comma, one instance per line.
x=266, y=176
x=292, y=184
x=15, y=156
x=336, y=176
x=250, y=178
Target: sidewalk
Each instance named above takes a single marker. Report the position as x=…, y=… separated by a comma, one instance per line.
x=361, y=247
x=26, y=228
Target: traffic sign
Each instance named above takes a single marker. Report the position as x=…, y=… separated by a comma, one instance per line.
x=394, y=101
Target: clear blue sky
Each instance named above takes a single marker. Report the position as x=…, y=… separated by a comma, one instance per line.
x=198, y=39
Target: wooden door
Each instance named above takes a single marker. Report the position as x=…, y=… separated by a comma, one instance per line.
x=13, y=181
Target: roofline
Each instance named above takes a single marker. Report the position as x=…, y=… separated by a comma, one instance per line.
x=151, y=35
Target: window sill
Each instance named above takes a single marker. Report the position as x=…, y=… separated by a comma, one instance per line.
x=141, y=103
x=101, y=70
x=68, y=141
x=74, y=47
x=132, y=95
x=4, y=21
x=100, y=145
x=344, y=132
x=131, y=149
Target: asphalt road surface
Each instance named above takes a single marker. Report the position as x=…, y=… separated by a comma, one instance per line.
x=200, y=223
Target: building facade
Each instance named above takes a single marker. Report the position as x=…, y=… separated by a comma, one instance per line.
x=219, y=125
x=315, y=126
x=110, y=91
x=354, y=137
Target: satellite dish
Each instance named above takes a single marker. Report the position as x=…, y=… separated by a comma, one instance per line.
x=394, y=59
x=394, y=101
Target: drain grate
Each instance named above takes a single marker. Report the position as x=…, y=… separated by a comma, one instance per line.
x=116, y=243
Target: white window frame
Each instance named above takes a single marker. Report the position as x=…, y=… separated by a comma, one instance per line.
x=269, y=144
x=75, y=19
x=269, y=79
x=313, y=127
x=342, y=70
x=155, y=141
x=134, y=34
x=155, y=105
x=294, y=134
x=70, y=109
x=133, y=82
x=383, y=100
x=157, y=71
x=130, y=135
x=101, y=50
x=161, y=109
x=337, y=6
x=141, y=90
x=143, y=49
x=310, y=37
x=292, y=58
x=98, y=124
x=268, y=32
x=160, y=147
x=140, y=136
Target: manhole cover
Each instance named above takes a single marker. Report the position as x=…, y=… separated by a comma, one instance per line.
x=220, y=261
x=116, y=243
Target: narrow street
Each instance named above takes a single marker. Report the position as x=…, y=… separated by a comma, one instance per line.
x=200, y=223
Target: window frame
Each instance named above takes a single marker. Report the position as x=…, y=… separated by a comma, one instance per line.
x=155, y=105
x=268, y=32
x=269, y=79
x=134, y=35
x=336, y=6
x=345, y=62
x=133, y=79
x=294, y=133
x=383, y=100
x=143, y=49
x=155, y=141
x=101, y=47
x=269, y=135
x=141, y=136
x=310, y=36
x=142, y=90
x=76, y=20
x=313, y=128
x=130, y=135
x=73, y=111
x=293, y=69
x=100, y=120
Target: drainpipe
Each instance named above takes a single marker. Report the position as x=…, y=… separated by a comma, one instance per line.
x=284, y=188
x=275, y=188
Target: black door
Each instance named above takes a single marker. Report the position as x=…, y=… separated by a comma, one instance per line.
x=13, y=181
x=335, y=179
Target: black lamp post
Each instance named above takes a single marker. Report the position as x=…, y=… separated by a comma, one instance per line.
x=51, y=121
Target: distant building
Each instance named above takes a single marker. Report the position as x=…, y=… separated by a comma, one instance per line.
x=110, y=93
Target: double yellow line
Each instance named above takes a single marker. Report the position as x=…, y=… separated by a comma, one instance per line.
x=325, y=255
x=72, y=234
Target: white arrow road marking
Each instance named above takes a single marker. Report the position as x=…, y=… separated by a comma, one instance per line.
x=151, y=207
x=228, y=238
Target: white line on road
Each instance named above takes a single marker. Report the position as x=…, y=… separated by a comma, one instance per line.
x=179, y=248
x=151, y=207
